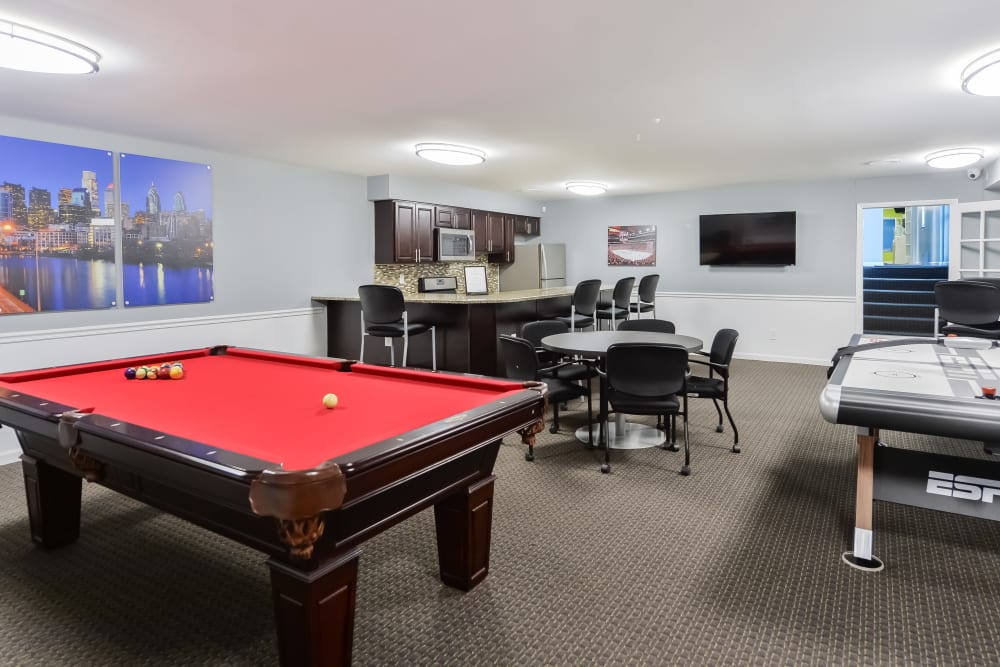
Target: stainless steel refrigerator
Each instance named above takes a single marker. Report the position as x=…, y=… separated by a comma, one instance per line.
x=535, y=266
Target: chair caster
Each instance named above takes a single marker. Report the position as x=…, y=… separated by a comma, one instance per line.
x=685, y=470
x=736, y=449
x=553, y=429
x=672, y=447
x=529, y=456
x=718, y=429
x=605, y=468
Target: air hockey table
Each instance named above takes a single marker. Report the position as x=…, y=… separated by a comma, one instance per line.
x=931, y=386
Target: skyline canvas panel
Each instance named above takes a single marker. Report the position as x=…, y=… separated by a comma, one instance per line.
x=57, y=241
x=167, y=246
x=632, y=245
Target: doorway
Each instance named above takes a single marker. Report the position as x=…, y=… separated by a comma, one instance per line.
x=903, y=252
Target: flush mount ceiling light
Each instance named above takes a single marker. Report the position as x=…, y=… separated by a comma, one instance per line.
x=982, y=76
x=32, y=50
x=954, y=157
x=588, y=188
x=451, y=154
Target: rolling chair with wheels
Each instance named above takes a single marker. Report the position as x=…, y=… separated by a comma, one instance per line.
x=970, y=308
x=383, y=314
x=716, y=385
x=581, y=310
x=646, y=295
x=646, y=379
x=618, y=307
x=521, y=363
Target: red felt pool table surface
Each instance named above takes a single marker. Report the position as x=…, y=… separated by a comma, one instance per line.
x=266, y=405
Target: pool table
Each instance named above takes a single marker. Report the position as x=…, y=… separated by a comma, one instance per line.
x=244, y=446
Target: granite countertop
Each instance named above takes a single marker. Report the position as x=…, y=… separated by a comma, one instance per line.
x=498, y=297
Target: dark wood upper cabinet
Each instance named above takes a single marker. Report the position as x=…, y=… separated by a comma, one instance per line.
x=404, y=232
x=527, y=225
x=455, y=218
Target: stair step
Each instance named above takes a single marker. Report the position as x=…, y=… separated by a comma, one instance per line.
x=908, y=297
x=906, y=271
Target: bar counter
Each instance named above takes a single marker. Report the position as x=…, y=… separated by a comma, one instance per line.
x=467, y=326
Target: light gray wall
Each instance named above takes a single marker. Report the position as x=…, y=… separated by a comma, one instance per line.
x=390, y=186
x=826, y=229
x=282, y=232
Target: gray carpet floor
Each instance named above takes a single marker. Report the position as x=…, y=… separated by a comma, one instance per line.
x=737, y=564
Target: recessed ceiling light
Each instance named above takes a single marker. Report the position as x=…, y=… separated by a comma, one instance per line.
x=881, y=163
x=32, y=50
x=588, y=188
x=951, y=158
x=982, y=76
x=450, y=154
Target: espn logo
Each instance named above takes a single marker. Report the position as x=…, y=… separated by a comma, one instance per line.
x=962, y=486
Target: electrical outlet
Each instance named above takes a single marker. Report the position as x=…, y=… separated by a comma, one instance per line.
x=772, y=334
x=388, y=342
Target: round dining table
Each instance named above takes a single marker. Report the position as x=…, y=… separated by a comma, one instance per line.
x=622, y=434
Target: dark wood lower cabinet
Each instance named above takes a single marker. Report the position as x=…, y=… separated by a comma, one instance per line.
x=466, y=333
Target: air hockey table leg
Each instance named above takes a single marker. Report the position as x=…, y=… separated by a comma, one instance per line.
x=861, y=556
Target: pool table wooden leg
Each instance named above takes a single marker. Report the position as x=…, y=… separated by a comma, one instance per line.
x=53, y=503
x=464, y=522
x=314, y=611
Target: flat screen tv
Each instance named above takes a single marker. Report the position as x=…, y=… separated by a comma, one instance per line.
x=747, y=239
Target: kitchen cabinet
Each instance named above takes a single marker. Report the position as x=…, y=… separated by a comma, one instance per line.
x=455, y=218
x=494, y=235
x=404, y=232
x=527, y=225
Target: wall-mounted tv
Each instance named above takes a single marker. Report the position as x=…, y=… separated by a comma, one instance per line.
x=747, y=239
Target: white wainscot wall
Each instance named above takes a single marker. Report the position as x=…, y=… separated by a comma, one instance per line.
x=300, y=331
x=795, y=329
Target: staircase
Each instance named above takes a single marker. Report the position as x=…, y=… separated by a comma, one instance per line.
x=899, y=300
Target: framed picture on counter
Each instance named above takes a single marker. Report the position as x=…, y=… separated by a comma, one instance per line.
x=475, y=280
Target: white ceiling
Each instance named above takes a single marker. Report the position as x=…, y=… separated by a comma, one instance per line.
x=644, y=95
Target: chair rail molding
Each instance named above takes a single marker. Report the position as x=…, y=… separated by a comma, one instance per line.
x=792, y=328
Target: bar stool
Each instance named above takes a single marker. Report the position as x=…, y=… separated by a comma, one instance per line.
x=618, y=308
x=647, y=296
x=383, y=314
x=581, y=311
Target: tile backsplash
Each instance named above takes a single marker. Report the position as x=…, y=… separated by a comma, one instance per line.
x=390, y=274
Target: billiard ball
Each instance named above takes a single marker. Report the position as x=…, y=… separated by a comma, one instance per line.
x=176, y=372
x=330, y=401
x=140, y=373
x=130, y=373
x=163, y=373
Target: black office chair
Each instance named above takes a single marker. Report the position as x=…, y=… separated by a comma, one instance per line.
x=383, y=314
x=618, y=308
x=521, y=363
x=716, y=385
x=970, y=308
x=581, y=311
x=535, y=331
x=646, y=379
x=646, y=295
x=648, y=324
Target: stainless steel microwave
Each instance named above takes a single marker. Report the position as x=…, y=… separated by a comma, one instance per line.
x=456, y=245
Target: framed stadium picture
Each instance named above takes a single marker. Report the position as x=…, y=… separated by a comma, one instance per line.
x=632, y=245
